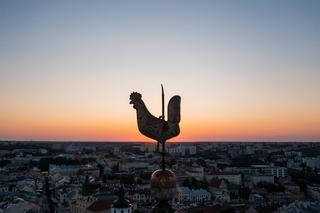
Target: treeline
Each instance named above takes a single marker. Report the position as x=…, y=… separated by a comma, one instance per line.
x=23, y=146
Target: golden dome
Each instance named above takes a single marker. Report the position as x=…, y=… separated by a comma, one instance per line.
x=163, y=184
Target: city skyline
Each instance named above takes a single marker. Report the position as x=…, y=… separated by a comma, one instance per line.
x=245, y=71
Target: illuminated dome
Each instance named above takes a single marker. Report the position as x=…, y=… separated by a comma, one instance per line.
x=163, y=185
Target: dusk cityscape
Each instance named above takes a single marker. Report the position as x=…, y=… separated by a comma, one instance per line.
x=159, y=106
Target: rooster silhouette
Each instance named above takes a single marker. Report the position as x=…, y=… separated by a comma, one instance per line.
x=153, y=127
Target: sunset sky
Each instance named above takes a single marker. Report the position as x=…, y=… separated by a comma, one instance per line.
x=245, y=70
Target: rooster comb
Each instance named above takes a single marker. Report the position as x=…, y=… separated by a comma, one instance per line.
x=135, y=96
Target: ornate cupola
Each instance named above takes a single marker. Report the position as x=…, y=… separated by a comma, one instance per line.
x=121, y=205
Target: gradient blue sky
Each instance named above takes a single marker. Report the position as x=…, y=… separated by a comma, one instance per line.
x=246, y=70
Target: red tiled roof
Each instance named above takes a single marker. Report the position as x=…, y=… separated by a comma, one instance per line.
x=99, y=205
x=216, y=182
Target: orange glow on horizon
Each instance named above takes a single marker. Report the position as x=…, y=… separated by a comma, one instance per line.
x=103, y=130
x=82, y=123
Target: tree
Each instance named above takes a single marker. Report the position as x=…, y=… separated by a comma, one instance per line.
x=201, y=162
x=4, y=162
x=186, y=183
x=139, y=181
x=32, y=163
x=233, y=195
x=195, y=184
x=127, y=179
x=244, y=193
x=101, y=170
x=115, y=168
x=44, y=164
x=270, y=187
x=172, y=162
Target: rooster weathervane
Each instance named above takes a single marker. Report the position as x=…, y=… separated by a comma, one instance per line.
x=155, y=128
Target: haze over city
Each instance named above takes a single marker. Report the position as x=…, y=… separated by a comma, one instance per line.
x=245, y=70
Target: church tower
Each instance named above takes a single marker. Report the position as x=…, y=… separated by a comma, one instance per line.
x=121, y=205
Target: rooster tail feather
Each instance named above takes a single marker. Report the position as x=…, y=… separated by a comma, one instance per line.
x=174, y=109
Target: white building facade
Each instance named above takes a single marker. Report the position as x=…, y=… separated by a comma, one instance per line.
x=193, y=195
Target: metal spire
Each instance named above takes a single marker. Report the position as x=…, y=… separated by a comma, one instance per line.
x=163, y=121
x=162, y=101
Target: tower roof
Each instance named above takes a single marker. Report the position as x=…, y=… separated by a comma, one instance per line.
x=121, y=202
x=87, y=188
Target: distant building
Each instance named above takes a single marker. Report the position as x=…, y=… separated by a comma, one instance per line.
x=140, y=196
x=291, y=187
x=301, y=207
x=234, y=178
x=182, y=150
x=275, y=171
x=292, y=164
x=181, y=176
x=56, y=146
x=255, y=179
x=134, y=165
x=312, y=162
x=313, y=191
x=22, y=207
x=85, y=199
x=63, y=169
x=196, y=171
x=219, y=190
x=293, y=154
x=209, y=208
x=90, y=170
x=71, y=148
x=193, y=195
x=150, y=147
x=4, y=188
x=284, y=197
x=87, y=202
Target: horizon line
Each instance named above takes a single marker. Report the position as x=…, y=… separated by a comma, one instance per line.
x=124, y=141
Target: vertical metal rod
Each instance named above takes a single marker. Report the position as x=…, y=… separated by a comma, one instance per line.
x=163, y=142
x=162, y=102
x=163, y=155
